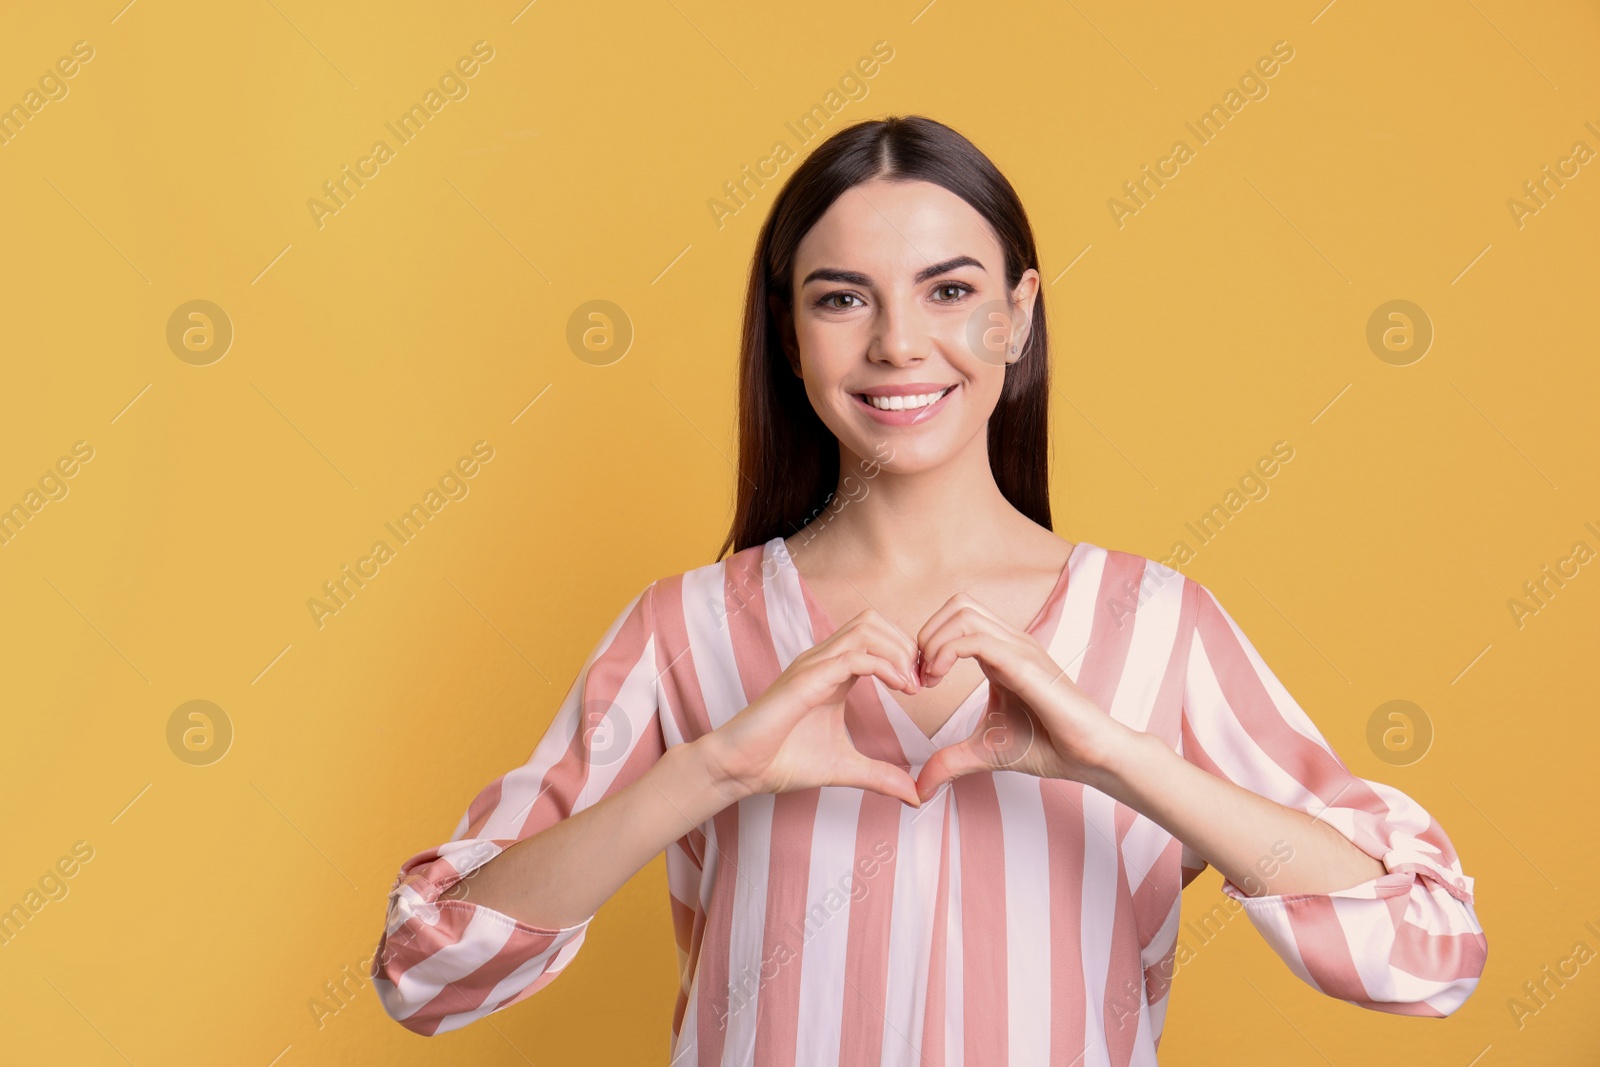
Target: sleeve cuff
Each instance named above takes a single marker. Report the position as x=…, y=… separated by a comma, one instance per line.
x=1402, y=868
x=416, y=895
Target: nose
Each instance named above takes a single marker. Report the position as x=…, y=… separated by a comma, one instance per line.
x=899, y=336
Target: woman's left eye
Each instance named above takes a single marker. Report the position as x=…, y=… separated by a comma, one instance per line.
x=959, y=289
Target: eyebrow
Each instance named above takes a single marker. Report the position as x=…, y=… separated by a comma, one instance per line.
x=851, y=277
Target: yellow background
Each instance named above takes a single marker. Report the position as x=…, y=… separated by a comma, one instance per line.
x=370, y=353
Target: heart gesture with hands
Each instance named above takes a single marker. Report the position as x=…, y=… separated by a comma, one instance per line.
x=1037, y=721
x=794, y=735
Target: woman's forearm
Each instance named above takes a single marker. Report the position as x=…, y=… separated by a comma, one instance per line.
x=561, y=875
x=1240, y=833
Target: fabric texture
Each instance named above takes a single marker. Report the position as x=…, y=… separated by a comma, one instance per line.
x=1011, y=919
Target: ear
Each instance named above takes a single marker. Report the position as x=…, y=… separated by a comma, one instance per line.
x=1023, y=297
x=786, y=337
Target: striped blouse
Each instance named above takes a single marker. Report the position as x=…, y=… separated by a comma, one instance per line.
x=1010, y=919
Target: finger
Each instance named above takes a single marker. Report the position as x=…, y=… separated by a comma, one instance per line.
x=960, y=614
x=966, y=633
x=872, y=621
x=863, y=773
x=876, y=617
x=1002, y=659
x=948, y=764
x=842, y=669
x=873, y=633
x=948, y=609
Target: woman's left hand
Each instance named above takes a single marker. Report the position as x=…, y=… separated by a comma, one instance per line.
x=1037, y=722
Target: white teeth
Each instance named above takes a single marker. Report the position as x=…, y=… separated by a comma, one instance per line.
x=901, y=403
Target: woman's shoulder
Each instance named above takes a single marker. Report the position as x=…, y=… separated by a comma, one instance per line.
x=738, y=570
x=1102, y=555
x=1128, y=582
x=1090, y=558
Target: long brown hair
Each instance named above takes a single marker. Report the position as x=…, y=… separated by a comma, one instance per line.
x=788, y=458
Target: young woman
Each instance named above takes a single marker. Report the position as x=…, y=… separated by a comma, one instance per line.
x=951, y=826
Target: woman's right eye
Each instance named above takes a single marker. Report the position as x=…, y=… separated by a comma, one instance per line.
x=827, y=301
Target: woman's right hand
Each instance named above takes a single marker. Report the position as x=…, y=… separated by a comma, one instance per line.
x=793, y=735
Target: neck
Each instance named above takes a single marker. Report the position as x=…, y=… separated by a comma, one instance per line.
x=927, y=522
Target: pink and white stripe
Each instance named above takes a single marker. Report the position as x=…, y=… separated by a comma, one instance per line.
x=1010, y=920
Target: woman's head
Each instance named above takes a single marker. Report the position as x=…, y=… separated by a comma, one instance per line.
x=896, y=258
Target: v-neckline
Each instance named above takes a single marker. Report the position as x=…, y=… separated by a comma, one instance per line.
x=940, y=737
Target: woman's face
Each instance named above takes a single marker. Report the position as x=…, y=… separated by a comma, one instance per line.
x=900, y=292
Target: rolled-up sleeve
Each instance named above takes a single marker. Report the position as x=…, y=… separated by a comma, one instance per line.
x=441, y=964
x=1407, y=942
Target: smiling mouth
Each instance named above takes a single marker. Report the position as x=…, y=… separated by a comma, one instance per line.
x=904, y=403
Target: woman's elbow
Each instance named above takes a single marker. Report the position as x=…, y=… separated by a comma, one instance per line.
x=405, y=1000
x=1432, y=976
x=417, y=974
x=412, y=1012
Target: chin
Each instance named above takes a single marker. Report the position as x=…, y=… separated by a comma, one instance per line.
x=902, y=453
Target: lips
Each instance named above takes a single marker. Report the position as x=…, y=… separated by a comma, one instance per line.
x=905, y=401
x=900, y=405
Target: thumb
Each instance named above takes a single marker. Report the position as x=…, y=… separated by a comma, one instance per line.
x=948, y=764
x=880, y=777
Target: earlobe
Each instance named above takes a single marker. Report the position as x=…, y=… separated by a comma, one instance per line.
x=1018, y=349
